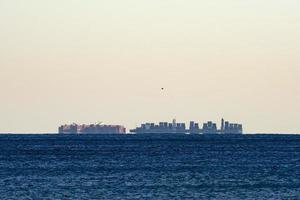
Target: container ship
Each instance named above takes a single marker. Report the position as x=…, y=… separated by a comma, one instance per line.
x=194, y=128
x=91, y=129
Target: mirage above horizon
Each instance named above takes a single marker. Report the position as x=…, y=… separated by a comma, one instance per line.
x=152, y=128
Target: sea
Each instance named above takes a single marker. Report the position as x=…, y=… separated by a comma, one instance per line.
x=167, y=166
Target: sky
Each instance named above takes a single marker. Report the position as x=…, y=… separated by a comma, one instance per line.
x=90, y=61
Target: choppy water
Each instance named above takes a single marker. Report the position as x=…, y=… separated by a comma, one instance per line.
x=149, y=167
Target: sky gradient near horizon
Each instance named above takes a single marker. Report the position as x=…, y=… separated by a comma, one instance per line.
x=81, y=61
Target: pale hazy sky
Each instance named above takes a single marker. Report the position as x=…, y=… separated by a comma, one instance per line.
x=64, y=61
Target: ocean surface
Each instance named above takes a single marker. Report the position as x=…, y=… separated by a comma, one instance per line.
x=149, y=167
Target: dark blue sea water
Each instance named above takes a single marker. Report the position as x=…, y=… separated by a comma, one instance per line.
x=149, y=167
